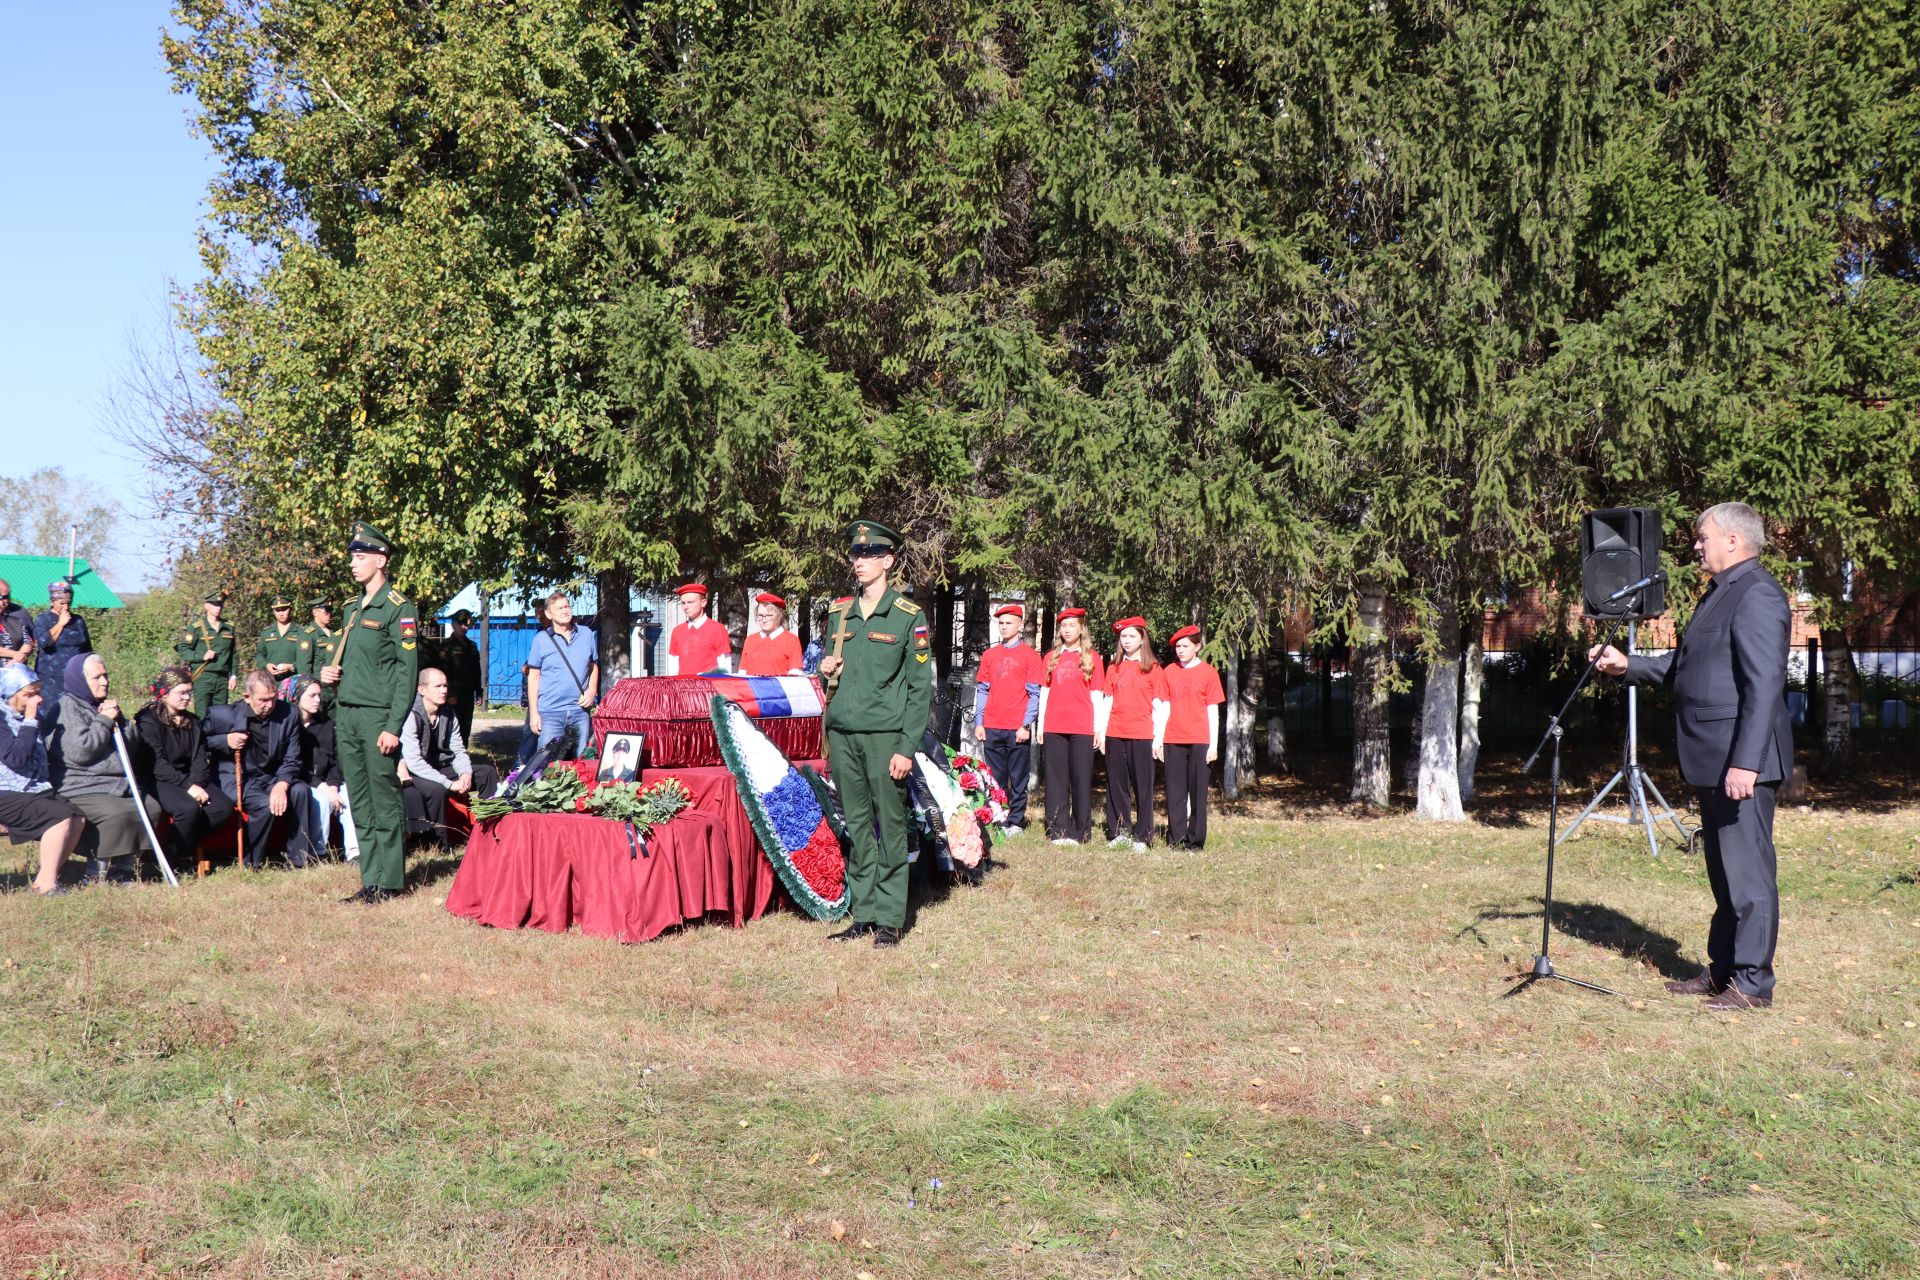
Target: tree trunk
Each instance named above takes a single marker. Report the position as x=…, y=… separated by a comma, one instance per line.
x=1473, y=679
x=1836, y=696
x=1238, y=767
x=1438, y=791
x=486, y=645
x=615, y=625
x=1275, y=694
x=1370, y=678
x=1827, y=576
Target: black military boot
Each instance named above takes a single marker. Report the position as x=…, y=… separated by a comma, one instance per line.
x=886, y=937
x=858, y=929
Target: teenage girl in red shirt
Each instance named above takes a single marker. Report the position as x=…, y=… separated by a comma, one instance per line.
x=1128, y=722
x=1192, y=739
x=1073, y=672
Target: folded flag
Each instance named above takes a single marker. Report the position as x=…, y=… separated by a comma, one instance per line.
x=786, y=814
x=770, y=697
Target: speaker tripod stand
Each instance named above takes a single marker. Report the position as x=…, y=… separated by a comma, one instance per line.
x=1640, y=812
x=1542, y=968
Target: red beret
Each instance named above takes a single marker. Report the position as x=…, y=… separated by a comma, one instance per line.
x=1072, y=613
x=1183, y=633
x=1135, y=621
x=1013, y=609
x=691, y=588
x=767, y=597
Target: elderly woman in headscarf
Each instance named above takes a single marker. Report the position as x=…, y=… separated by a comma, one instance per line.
x=84, y=767
x=171, y=750
x=29, y=809
x=60, y=635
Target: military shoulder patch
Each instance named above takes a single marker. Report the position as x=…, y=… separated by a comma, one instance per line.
x=906, y=606
x=394, y=597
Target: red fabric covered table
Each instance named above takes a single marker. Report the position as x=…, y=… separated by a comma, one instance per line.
x=714, y=794
x=554, y=870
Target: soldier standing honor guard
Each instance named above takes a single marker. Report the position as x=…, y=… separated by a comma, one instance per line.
x=284, y=649
x=374, y=666
x=877, y=661
x=207, y=649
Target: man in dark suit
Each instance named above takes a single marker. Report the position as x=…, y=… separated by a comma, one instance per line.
x=1729, y=679
x=266, y=733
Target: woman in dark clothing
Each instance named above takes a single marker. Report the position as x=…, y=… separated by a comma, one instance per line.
x=320, y=765
x=29, y=810
x=171, y=753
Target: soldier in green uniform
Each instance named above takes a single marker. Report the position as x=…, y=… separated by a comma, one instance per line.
x=319, y=635
x=374, y=666
x=876, y=661
x=206, y=648
x=283, y=649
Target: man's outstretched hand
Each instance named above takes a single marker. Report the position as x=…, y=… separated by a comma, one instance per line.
x=1607, y=660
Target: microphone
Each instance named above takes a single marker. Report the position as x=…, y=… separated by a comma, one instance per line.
x=1658, y=575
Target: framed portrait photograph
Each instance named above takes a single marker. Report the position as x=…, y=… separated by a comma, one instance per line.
x=620, y=758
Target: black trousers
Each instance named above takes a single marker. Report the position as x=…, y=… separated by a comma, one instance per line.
x=257, y=804
x=1069, y=770
x=1187, y=779
x=192, y=821
x=1011, y=762
x=1742, y=869
x=426, y=801
x=1130, y=788
x=463, y=712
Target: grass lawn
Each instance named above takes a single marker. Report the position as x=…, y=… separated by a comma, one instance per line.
x=1286, y=1056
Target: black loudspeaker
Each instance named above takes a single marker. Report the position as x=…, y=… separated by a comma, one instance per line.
x=1619, y=547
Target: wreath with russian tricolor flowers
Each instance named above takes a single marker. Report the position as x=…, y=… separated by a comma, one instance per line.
x=793, y=828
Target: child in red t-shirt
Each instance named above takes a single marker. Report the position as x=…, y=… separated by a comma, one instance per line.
x=772, y=650
x=1192, y=741
x=1007, y=707
x=1073, y=673
x=700, y=644
x=1128, y=722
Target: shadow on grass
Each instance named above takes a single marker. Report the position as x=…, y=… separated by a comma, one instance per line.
x=1602, y=927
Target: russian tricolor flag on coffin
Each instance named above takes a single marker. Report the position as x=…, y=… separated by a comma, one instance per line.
x=770, y=697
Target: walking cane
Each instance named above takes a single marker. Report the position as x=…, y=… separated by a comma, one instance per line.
x=239, y=832
x=126, y=764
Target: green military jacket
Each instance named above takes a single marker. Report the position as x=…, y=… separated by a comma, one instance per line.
x=198, y=638
x=319, y=650
x=295, y=648
x=886, y=684
x=379, y=666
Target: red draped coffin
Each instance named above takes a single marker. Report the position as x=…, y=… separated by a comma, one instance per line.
x=674, y=712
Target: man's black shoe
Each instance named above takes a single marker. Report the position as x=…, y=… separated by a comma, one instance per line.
x=858, y=929
x=885, y=937
x=358, y=896
x=375, y=895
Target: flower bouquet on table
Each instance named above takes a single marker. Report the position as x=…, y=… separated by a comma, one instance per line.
x=569, y=786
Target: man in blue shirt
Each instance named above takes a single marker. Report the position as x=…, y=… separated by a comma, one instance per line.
x=563, y=677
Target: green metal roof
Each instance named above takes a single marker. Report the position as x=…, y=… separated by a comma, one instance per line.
x=29, y=576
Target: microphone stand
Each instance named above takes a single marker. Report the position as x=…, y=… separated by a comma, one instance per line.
x=1542, y=963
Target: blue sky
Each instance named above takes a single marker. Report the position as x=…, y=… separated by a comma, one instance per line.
x=99, y=207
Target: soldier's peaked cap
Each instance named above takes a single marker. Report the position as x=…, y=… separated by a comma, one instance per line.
x=367, y=538
x=872, y=537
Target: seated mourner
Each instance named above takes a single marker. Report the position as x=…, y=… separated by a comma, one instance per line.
x=320, y=768
x=434, y=759
x=29, y=809
x=170, y=745
x=84, y=766
x=266, y=733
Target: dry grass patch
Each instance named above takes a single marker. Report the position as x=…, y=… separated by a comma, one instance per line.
x=1284, y=1057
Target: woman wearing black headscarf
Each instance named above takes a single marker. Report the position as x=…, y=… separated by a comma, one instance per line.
x=171, y=752
x=85, y=769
